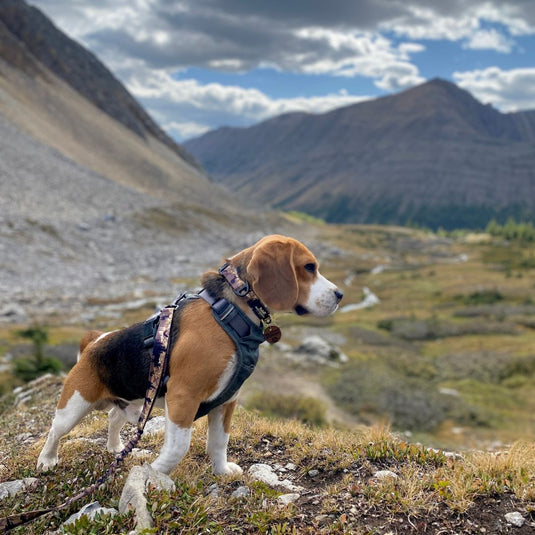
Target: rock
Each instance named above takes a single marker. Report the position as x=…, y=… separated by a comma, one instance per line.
x=286, y=499
x=133, y=495
x=12, y=488
x=291, y=467
x=313, y=473
x=154, y=425
x=264, y=472
x=384, y=474
x=241, y=492
x=212, y=490
x=316, y=349
x=90, y=510
x=515, y=518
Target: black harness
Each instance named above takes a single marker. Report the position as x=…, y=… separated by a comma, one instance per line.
x=245, y=334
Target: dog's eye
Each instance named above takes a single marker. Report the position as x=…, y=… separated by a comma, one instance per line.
x=311, y=268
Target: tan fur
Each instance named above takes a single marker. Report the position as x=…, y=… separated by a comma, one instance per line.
x=271, y=267
x=228, y=411
x=84, y=378
x=87, y=338
x=197, y=361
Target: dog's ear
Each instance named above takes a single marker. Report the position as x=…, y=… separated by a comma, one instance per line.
x=271, y=272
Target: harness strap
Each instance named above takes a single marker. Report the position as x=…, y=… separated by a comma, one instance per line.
x=157, y=367
x=246, y=335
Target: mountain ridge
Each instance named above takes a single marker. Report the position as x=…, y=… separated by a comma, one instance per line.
x=77, y=66
x=415, y=156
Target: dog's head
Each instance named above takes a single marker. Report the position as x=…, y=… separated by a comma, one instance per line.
x=285, y=276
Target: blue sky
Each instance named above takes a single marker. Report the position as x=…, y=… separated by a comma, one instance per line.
x=197, y=65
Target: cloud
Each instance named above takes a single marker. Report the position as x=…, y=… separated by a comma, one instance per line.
x=489, y=40
x=507, y=90
x=182, y=105
x=149, y=43
x=301, y=36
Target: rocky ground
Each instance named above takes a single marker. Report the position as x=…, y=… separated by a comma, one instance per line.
x=296, y=480
x=69, y=235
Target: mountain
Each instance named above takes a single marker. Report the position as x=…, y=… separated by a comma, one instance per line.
x=96, y=201
x=431, y=155
x=30, y=39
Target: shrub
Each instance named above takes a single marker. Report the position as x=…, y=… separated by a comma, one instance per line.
x=483, y=297
x=306, y=409
x=38, y=364
x=408, y=402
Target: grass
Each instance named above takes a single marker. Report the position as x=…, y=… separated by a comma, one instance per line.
x=343, y=496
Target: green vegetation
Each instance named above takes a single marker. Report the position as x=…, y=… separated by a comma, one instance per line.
x=306, y=409
x=511, y=230
x=29, y=368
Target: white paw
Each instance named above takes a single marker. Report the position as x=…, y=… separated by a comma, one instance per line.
x=46, y=463
x=228, y=469
x=115, y=448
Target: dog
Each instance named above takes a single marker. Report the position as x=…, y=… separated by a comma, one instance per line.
x=113, y=367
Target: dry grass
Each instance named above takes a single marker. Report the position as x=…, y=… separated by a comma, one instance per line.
x=343, y=496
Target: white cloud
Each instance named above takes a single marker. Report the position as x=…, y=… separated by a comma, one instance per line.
x=363, y=54
x=466, y=23
x=182, y=106
x=489, y=40
x=510, y=90
x=147, y=43
x=185, y=130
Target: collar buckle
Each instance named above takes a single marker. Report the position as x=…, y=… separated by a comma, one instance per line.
x=240, y=287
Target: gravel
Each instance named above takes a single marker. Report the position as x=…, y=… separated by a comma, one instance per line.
x=69, y=236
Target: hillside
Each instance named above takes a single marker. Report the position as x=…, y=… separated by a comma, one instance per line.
x=322, y=480
x=96, y=203
x=431, y=155
x=29, y=39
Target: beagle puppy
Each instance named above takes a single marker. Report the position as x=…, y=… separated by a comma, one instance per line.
x=112, y=370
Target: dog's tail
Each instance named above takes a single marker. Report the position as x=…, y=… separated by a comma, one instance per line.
x=87, y=338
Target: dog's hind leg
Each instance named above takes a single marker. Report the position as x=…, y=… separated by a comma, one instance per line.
x=80, y=395
x=64, y=420
x=118, y=416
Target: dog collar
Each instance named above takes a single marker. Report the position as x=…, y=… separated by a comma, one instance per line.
x=241, y=288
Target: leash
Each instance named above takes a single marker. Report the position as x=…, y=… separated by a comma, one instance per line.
x=157, y=367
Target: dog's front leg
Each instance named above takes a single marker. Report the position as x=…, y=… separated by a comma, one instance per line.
x=178, y=426
x=218, y=436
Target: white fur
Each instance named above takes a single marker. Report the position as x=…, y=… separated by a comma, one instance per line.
x=322, y=300
x=64, y=420
x=225, y=378
x=216, y=445
x=117, y=418
x=175, y=446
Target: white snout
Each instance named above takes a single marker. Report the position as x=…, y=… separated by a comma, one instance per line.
x=322, y=299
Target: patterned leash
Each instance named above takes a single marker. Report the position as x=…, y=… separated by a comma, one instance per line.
x=157, y=367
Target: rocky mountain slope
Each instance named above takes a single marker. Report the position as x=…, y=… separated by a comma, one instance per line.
x=95, y=200
x=30, y=40
x=431, y=155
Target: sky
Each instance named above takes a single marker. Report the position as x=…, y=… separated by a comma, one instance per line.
x=197, y=65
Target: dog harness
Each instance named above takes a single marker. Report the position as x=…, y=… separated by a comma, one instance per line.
x=245, y=334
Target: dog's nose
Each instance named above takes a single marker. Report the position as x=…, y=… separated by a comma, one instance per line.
x=338, y=294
